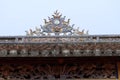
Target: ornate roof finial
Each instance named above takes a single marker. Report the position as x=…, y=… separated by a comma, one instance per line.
x=56, y=25
x=57, y=14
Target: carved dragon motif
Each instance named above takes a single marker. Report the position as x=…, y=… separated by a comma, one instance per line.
x=56, y=25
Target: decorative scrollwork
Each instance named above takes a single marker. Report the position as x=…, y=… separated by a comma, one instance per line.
x=53, y=71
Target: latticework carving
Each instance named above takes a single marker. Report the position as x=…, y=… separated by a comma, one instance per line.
x=55, y=71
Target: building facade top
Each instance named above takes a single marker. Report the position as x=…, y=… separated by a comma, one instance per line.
x=57, y=38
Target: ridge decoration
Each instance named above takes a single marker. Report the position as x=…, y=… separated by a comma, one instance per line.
x=56, y=26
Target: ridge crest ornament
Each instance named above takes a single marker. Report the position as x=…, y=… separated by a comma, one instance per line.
x=56, y=26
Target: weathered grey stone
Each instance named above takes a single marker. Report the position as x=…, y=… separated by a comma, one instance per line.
x=88, y=52
x=45, y=53
x=97, y=52
x=3, y=53
x=108, y=52
x=13, y=53
x=34, y=53
x=23, y=52
x=118, y=52
x=55, y=52
x=66, y=52
x=76, y=52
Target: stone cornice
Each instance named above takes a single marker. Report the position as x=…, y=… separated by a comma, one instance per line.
x=60, y=39
x=59, y=46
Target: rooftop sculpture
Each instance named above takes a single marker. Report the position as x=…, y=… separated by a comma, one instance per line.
x=56, y=26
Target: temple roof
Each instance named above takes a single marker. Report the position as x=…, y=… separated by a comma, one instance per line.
x=57, y=38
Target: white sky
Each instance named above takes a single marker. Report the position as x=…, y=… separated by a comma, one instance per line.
x=97, y=16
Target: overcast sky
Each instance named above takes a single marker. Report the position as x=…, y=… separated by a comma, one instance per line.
x=97, y=16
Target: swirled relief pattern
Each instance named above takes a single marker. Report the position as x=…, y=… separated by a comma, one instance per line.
x=58, y=71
